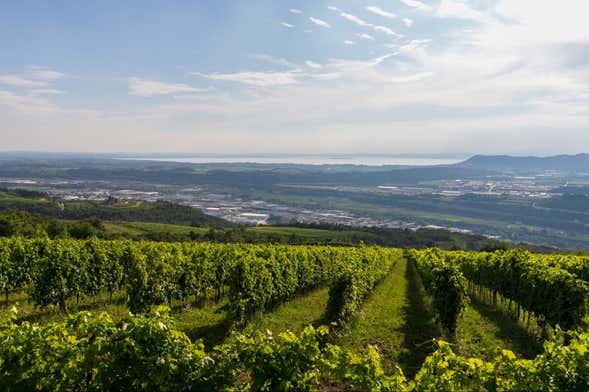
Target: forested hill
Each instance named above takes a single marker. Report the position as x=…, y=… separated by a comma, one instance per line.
x=564, y=163
x=110, y=210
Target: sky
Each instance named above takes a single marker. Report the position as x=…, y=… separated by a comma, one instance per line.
x=295, y=76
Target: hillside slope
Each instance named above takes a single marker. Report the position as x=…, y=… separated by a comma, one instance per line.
x=565, y=163
x=111, y=210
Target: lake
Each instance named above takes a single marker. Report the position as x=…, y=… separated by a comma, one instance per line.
x=369, y=160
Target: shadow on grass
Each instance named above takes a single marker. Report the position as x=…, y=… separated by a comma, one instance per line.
x=212, y=335
x=12, y=302
x=523, y=341
x=101, y=304
x=39, y=314
x=324, y=319
x=419, y=328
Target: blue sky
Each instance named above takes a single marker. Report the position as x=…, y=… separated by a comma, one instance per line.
x=295, y=76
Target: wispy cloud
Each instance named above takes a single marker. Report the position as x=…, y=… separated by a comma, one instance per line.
x=355, y=19
x=20, y=81
x=349, y=42
x=287, y=25
x=415, y=48
x=273, y=60
x=320, y=23
x=417, y=4
x=295, y=11
x=350, y=17
x=46, y=91
x=461, y=10
x=29, y=104
x=387, y=31
x=259, y=79
x=33, y=76
x=408, y=22
x=381, y=12
x=42, y=73
x=412, y=77
x=365, y=36
x=313, y=65
x=148, y=88
x=360, y=22
x=326, y=76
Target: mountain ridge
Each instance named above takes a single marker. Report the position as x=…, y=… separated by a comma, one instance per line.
x=563, y=162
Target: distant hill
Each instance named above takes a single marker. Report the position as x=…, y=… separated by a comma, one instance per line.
x=564, y=163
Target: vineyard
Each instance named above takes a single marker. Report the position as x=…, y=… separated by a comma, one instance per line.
x=122, y=315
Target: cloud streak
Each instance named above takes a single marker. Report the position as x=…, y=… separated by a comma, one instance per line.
x=28, y=104
x=20, y=81
x=46, y=91
x=354, y=19
x=313, y=65
x=365, y=36
x=41, y=73
x=361, y=22
x=411, y=78
x=257, y=79
x=387, y=31
x=32, y=77
x=320, y=23
x=381, y=12
x=149, y=88
x=417, y=4
x=273, y=60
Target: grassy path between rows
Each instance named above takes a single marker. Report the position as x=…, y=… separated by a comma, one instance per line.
x=295, y=315
x=211, y=325
x=208, y=323
x=396, y=320
x=483, y=329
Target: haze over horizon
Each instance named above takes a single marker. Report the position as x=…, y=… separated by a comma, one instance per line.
x=296, y=76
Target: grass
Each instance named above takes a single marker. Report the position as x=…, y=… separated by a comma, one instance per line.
x=143, y=228
x=420, y=328
x=149, y=227
x=28, y=311
x=8, y=198
x=121, y=228
x=310, y=235
x=208, y=322
x=381, y=320
x=484, y=329
x=396, y=320
x=295, y=315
